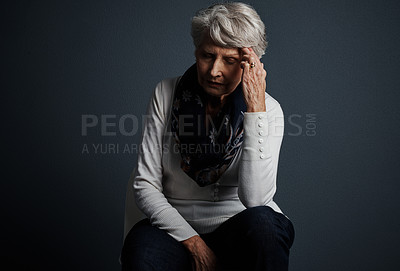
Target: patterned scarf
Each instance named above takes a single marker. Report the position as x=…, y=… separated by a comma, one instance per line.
x=207, y=145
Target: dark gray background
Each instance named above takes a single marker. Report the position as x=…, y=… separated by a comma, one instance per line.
x=339, y=60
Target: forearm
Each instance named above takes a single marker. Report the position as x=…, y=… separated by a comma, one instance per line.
x=258, y=164
x=160, y=212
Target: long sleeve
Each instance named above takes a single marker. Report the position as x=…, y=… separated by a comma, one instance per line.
x=263, y=134
x=147, y=184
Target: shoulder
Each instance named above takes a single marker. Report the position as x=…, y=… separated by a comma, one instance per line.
x=163, y=95
x=166, y=86
x=165, y=89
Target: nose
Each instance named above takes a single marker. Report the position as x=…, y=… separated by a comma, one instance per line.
x=216, y=68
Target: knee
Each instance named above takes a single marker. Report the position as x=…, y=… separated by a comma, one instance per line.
x=132, y=253
x=142, y=252
x=267, y=227
x=260, y=219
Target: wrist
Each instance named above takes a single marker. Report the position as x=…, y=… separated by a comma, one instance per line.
x=192, y=242
x=260, y=108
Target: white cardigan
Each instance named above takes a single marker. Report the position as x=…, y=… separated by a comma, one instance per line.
x=174, y=202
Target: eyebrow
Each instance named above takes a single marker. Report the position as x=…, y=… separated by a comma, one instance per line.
x=232, y=55
x=235, y=55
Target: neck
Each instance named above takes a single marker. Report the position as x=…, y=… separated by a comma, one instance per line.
x=215, y=101
x=214, y=104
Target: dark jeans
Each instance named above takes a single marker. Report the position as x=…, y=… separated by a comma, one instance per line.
x=256, y=239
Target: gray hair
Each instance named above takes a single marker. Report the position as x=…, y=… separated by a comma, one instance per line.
x=230, y=25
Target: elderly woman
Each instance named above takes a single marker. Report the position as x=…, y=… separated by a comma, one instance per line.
x=206, y=175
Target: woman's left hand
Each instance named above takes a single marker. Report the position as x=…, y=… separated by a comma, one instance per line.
x=253, y=81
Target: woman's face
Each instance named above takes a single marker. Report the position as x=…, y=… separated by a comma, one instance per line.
x=218, y=68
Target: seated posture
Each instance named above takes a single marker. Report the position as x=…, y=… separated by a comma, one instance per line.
x=206, y=172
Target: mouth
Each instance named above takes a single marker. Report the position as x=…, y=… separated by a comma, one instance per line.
x=214, y=84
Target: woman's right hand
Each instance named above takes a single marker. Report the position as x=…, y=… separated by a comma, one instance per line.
x=203, y=258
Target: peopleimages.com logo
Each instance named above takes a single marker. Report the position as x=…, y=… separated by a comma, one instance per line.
x=105, y=126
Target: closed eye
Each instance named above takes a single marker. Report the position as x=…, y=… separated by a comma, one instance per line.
x=231, y=60
x=207, y=55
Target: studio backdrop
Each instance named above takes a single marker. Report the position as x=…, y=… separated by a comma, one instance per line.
x=77, y=78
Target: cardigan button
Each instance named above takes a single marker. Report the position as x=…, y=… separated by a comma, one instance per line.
x=260, y=140
x=262, y=156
